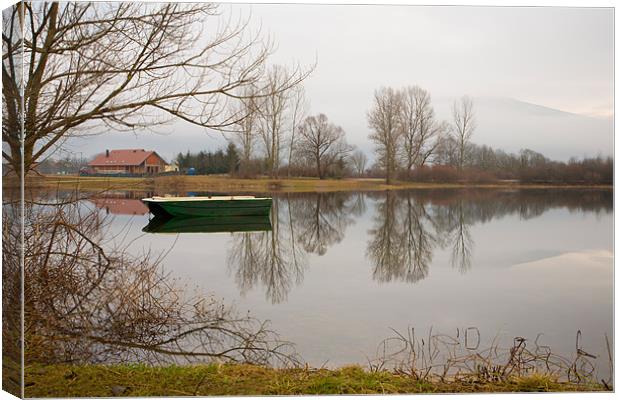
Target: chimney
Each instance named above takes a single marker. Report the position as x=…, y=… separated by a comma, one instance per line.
x=107, y=153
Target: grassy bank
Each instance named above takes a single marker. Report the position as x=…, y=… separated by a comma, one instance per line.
x=136, y=380
x=184, y=183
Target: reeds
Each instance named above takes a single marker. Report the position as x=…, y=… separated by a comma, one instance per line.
x=437, y=357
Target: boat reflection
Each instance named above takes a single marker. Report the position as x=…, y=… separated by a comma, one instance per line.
x=255, y=223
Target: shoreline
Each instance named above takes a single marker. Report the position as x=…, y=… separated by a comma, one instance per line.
x=240, y=379
x=181, y=183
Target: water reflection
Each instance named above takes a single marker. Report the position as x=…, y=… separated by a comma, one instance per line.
x=119, y=202
x=453, y=228
x=91, y=300
x=408, y=227
x=320, y=220
x=401, y=242
x=161, y=224
x=273, y=259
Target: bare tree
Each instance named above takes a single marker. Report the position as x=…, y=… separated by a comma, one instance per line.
x=273, y=111
x=359, y=160
x=421, y=131
x=446, y=152
x=322, y=142
x=383, y=119
x=416, y=102
x=464, y=124
x=123, y=66
x=299, y=107
x=87, y=300
x=245, y=134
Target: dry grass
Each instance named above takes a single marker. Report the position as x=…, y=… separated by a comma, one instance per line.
x=183, y=183
x=432, y=364
x=439, y=357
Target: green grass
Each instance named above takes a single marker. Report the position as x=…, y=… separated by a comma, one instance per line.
x=140, y=380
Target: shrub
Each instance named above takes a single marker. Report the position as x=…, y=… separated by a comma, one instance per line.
x=447, y=174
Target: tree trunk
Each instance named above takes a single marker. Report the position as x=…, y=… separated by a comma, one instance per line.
x=318, y=168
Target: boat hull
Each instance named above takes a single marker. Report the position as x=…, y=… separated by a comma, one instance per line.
x=210, y=208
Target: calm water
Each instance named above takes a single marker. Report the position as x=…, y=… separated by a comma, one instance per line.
x=334, y=272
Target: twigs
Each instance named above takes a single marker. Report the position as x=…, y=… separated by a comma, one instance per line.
x=440, y=357
x=89, y=300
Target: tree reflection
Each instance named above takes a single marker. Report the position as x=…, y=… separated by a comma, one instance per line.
x=301, y=225
x=321, y=220
x=408, y=227
x=419, y=241
x=271, y=258
x=386, y=246
x=460, y=237
x=401, y=245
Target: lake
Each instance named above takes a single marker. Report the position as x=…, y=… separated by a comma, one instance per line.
x=336, y=272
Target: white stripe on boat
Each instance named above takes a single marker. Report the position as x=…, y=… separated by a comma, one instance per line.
x=159, y=199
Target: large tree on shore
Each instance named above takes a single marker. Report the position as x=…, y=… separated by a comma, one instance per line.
x=383, y=119
x=85, y=67
x=322, y=142
x=420, y=129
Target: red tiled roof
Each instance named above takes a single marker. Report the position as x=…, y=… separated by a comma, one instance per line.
x=121, y=157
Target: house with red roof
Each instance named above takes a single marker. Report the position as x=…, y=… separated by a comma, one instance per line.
x=128, y=161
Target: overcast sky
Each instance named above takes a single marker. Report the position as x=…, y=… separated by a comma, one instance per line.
x=560, y=58
x=557, y=57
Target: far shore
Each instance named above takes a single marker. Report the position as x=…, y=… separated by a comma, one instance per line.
x=223, y=183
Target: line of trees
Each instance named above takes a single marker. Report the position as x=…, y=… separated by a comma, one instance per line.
x=66, y=165
x=408, y=135
x=277, y=137
x=484, y=164
x=206, y=162
x=266, y=135
x=412, y=144
x=70, y=69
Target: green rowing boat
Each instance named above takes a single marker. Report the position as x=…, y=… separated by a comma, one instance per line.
x=253, y=223
x=209, y=206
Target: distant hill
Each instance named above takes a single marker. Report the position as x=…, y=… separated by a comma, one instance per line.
x=511, y=125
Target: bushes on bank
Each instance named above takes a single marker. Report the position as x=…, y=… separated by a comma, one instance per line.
x=589, y=171
x=447, y=174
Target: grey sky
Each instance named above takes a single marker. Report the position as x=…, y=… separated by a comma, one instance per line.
x=557, y=57
x=561, y=58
